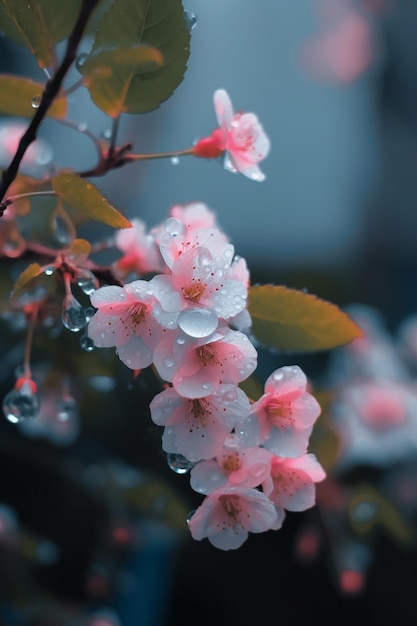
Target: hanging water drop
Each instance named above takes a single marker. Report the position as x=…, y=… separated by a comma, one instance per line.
x=61, y=229
x=197, y=323
x=189, y=515
x=22, y=402
x=106, y=134
x=86, y=281
x=175, y=160
x=80, y=60
x=190, y=20
x=66, y=409
x=87, y=343
x=73, y=314
x=36, y=100
x=179, y=463
x=49, y=270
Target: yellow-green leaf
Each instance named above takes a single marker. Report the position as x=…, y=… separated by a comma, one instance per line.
x=86, y=198
x=25, y=277
x=292, y=320
x=17, y=94
x=79, y=250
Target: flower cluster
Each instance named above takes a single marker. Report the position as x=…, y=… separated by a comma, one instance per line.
x=250, y=460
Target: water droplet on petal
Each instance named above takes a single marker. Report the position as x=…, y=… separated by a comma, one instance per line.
x=73, y=314
x=87, y=343
x=36, y=100
x=190, y=20
x=22, y=403
x=189, y=515
x=197, y=322
x=175, y=160
x=169, y=362
x=49, y=271
x=179, y=463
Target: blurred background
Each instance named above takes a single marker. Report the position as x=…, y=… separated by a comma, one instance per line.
x=93, y=522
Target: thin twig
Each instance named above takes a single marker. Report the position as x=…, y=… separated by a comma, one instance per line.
x=52, y=88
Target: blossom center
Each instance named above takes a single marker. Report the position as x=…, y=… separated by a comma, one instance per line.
x=230, y=504
x=206, y=354
x=278, y=410
x=194, y=291
x=198, y=408
x=231, y=462
x=137, y=314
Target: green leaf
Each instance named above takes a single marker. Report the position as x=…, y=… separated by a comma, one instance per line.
x=86, y=198
x=25, y=277
x=138, y=88
x=292, y=320
x=38, y=24
x=104, y=64
x=17, y=94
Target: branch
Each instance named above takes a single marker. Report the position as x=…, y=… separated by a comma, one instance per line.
x=51, y=91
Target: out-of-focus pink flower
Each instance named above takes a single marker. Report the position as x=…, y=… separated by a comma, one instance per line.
x=141, y=254
x=197, y=428
x=282, y=419
x=240, y=138
x=227, y=516
x=196, y=368
x=124, y=319
x=235, y=465
x=291, y=483
x=344, y=50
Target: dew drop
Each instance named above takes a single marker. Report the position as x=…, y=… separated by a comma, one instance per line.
x=106, y=134
x=80, y=61
x=189, y=516
x=180, y=341
x=179, y=463
x=49, y=271
x=168, y=362
x=86, y=281
x=36, y=100
x=258, y=176
x=73, y=314
x=66, y=409
x=175, y=160
x=21, y=404
x=61, y=229
x=87, y=343
x=82, y=127
x=190, y=20
x=197, y=322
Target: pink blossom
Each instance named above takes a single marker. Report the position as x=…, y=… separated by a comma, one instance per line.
x=125, y=320
x=197, y=428
x=176, y=238
x=234, y=465
x=291, y=482
x=141, y=254
x=195, y=215
x=282, y=419
x=227, y=516
x=240, y=137
x=201, y=279
x=196, y=368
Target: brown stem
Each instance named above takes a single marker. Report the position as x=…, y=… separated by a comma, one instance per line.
x=51, y=91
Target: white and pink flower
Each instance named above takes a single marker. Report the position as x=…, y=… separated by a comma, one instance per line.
x=291, y=484
x=235, y=465
x=125, y=320
x=240, y=138
x=282, y=419
x=198, y=427
x=227, y=516
x=197, y=368
x=140, y=252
